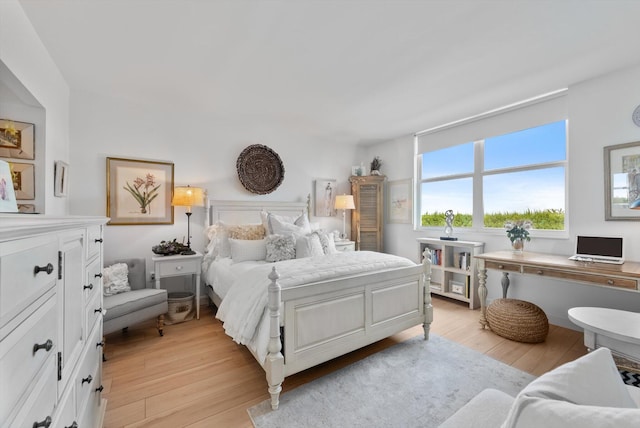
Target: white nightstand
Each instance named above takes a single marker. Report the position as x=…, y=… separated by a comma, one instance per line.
x=345, y=245
x=179, y=265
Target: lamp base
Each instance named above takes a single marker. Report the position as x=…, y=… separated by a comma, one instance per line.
x=187, y=253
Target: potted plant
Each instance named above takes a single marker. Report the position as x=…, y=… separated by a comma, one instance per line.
x=376, y=164
x=518, y=232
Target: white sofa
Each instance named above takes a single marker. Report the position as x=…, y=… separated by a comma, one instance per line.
x=585, y=393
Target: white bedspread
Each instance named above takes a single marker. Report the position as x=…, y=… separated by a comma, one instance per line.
x=245, y=304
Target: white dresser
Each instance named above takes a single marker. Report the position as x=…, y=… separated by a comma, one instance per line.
x=51, y=321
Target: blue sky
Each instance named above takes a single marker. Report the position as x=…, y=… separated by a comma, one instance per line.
x=518, y=191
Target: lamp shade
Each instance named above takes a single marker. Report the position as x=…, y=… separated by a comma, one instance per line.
x=187, y=196
x=344, y=202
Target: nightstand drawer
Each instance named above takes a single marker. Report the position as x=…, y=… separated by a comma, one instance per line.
x=345, y=246
x=178, y=267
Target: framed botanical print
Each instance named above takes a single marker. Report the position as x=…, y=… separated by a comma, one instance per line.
x=139, y=192
x=17, y=139
x=400, y=200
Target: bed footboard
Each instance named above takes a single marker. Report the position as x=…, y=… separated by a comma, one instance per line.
x=324, y=320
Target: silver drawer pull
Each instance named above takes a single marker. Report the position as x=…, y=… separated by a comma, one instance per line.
x=500, y=266
x=610, y=282
x=48, y=269
x=178, y=267
x=46, y=423
x=46, y=346
x=540, y=272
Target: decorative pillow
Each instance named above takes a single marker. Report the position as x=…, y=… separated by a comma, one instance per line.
x=218, y=237
x=279, y=224
x=243, y=250
x=246, y=231
x=280, y=247
x=590, y=382
x=115, y=279
x=308, y=246
x=327, y=241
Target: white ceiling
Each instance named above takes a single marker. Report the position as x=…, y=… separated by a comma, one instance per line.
x=354, y=70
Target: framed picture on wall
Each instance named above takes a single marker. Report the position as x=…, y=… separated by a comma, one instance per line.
x=622, y=182
x=24, y=178
x=17, y=139
x=7, y=194
x=325, y=192
x=139, y=192
x=60, y=175
x=400, y=201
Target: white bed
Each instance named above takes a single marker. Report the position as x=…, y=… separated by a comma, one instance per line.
x=322, y=316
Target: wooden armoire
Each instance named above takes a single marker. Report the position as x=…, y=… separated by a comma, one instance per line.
x=367, y=220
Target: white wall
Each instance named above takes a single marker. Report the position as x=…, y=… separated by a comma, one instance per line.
x=26, y=57
x=204, y=151
x=599, y=115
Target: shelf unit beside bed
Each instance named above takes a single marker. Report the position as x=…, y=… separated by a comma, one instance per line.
x=453, y=268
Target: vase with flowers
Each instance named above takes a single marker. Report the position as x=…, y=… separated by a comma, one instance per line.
x=518, y=233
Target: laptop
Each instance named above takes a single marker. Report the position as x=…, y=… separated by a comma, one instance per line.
x=599, y=249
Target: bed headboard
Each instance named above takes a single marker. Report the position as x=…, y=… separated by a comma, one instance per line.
x=245, y=212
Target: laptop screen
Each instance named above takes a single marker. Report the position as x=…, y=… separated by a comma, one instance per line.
x=599, y=246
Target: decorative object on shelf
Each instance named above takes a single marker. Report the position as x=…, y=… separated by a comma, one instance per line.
x=188, y=197
x=325, y=197
x=139, y=192
x=60, y=172
x=400, y=200
x=8, y=202
x=169, y=248
x=359, y=170
x=448, y=229
x=518, y=232
x=376, y=164
x=622, y=182
x=16, y=139
x=23, y=175
x=260, y=169
x=344, y=203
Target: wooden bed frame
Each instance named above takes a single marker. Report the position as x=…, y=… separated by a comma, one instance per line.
x=326, y=319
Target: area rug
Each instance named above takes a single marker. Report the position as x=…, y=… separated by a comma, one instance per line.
x=416, y=383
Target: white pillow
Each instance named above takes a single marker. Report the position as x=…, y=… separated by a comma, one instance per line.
x=327, y=241
x=115, y=279
x=279, y=224
x=308, y=246
x=280, y=247
x=575, y=388
x=243, y=250
x=218, y=237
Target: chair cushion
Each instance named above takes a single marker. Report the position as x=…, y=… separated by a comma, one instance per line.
x=131, y=301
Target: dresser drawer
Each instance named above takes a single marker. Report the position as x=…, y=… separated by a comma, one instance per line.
x=19, y=364
x=88, y=378
x=93, y=318
x=41, y=400
x=20, y=285
x=93, y=282
x=94, y=241
x=179, y=267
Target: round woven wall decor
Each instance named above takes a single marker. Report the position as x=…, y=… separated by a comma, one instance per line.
x=260, y=169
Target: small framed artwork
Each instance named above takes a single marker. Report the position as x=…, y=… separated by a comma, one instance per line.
x=622, y=182
x=325, y=191
x=60, y=172
x=8, y=202
x=26, y=208
x=24, y=178
x=400, y=197
x=139, y=192
x=17, y=139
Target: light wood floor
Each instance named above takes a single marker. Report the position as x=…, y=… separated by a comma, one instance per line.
x=196, y=376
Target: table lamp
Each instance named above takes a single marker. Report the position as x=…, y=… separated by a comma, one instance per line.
x=344, y=203
x=187, y=196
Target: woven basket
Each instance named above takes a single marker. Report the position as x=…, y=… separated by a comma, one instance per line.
x=517, y=320
x=180, y=307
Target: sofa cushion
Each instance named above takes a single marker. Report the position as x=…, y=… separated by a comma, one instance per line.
x=587, y=392
x=487, y=409
x=131, y=301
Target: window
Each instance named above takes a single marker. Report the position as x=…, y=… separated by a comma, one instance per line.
x=520, y=174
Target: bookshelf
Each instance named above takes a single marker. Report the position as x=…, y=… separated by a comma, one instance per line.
x=454, y=272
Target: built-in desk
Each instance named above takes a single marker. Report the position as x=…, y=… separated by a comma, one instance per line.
x=625, y=276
